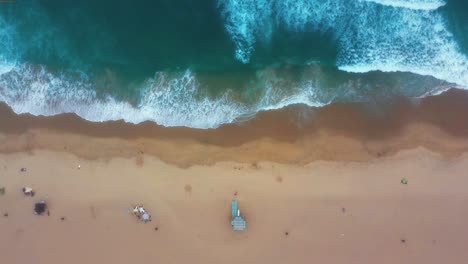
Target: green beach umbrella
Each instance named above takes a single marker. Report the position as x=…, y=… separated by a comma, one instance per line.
x=404, y=181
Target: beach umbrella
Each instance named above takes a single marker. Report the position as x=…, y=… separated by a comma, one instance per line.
x=146, y=217
x=404, y=181
x=40, y=207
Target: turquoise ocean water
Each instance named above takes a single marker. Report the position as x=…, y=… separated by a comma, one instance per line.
x=206, y=63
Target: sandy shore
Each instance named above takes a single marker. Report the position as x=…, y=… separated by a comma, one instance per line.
x=316, y=186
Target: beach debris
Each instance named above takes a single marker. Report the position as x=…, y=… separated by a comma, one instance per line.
x=23, y=169
x=238, y=222
x=403, y=240
x=286, y=233
x=404, y=181
x=2, y=191
x=62, y=218
x=5, y=214
x=28, y=191
x=40, y=208
x=140, y=212
x=156, y=228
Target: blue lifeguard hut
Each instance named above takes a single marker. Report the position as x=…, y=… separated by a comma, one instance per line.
x=238, y=222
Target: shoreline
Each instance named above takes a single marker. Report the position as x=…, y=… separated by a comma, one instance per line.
x=295, y=135
x=337, y=128
x=326, y=191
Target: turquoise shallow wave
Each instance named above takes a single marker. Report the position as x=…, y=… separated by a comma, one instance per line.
x=206, y=63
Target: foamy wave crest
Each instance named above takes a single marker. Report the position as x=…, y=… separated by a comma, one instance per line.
x=422, y=45
x=245, y=21
x=370, y=36
x=177, y=102
x=411, y=4
x=279, y=91
x=169, y=102
x=167, y=99
x=178, y=99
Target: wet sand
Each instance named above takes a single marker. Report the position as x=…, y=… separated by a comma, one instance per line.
x=315, y=186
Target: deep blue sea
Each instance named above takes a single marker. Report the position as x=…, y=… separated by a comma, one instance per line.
x=204, y=63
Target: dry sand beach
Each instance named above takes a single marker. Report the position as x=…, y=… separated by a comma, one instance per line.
x=323, y=188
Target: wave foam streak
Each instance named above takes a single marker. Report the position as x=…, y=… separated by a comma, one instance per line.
x=246, y=20
x=169, y=102
x=178, y=99
x=370, y=36
x=411, y=4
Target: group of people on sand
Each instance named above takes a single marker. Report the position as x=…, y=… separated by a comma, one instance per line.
x=138, y=211
x=39, y=207
x=142, y=214
x=28, y=191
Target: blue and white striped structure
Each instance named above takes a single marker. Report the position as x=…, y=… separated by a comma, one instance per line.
x=238, y=222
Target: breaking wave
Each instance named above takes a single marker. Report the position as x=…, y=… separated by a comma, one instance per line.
x=167, y=99
x=169, y=102
x=178, y=99
x=370, y=36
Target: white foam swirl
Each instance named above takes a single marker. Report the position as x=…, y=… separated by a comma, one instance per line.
x=246, y=19
x=369, y=36
x=166, y=101
x=411, y=4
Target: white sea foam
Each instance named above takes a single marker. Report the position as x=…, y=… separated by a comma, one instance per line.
x=279, y=92
x=411, y=4
x=370, y=36
x=423, y=46
x=246, y=18
x=166, y=99
x=390, y=39
x=5, y=67
x=169, y=102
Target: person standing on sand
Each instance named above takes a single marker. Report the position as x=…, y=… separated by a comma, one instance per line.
x=28, y=191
